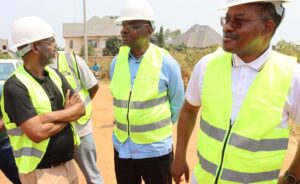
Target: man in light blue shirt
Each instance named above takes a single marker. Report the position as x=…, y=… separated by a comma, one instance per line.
x=150, y=161
x=170, y=80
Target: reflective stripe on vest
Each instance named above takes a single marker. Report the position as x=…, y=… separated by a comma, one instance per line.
x=235, y=176
x=67, y=65
x=144, y=128
x=140, y=107
x=27, y=153
x=15, y=132
x=139, y=104
x=250, y=150
x=244, y=142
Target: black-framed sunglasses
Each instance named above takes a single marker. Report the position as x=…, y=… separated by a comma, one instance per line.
x=237, y=23
x=131, y=27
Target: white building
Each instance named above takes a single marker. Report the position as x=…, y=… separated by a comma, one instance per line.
x=98, y=31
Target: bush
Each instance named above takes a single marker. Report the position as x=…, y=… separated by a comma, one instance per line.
x=4, y=56
x=288, y=48
x=112, y=46
x=91, y=51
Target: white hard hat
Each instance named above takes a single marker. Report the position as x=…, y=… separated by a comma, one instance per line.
x=136, y=10
x=277, y=4
x=27, y=30
x=230, y=3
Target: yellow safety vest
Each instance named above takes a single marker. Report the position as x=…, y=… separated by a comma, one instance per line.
x=141, y=111
x=67, y=65
x=252, y=149
x=27, y=153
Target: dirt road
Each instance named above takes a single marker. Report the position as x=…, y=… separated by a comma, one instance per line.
x=102, y=124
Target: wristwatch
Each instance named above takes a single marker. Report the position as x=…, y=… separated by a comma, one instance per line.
x=290, y=178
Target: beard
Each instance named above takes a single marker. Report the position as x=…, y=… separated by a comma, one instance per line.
x=47, y=58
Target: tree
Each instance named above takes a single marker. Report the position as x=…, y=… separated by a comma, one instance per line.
x=288, y=48
x=112, y=46
x=160, y=37
x=153, y=38
x=170, y=35
x=91, y=51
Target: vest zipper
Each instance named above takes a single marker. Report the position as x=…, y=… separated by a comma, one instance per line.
x=223, y=153
x=128, y=113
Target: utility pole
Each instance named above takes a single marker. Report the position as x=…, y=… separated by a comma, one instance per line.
x=85, y=45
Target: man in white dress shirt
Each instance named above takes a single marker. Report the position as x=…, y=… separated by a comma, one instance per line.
x=247, y=94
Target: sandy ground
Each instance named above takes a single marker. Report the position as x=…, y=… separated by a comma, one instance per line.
x=102, y=124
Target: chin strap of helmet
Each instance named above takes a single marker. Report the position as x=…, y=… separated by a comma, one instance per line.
x=23, y=51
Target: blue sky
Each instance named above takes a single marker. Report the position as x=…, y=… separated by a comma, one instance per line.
x=173, y=14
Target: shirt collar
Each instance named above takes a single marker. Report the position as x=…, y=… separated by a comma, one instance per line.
x=257, y=64
x=131, y=57
x=39, y=80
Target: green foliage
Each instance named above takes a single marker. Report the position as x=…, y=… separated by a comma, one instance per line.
x=112, y=46
x=180, y=47
x=160, y=37
x=91, y=51
x=288, y=48
x=170, y=35
x=4, y=56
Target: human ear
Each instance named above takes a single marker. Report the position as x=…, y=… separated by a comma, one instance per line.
x=269, y=28
x=35, y=47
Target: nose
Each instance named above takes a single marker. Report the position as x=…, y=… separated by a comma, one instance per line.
x=125, y=30
x=228, y=27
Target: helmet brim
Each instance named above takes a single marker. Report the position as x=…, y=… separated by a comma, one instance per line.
x=14, y=47
x=121, y=19
x=235, y=3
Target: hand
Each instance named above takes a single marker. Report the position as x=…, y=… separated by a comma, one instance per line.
x=74, y=104
x=178, y=168
x=74, y=99
x=67, y=98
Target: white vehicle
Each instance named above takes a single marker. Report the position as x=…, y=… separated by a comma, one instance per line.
x=7, y=67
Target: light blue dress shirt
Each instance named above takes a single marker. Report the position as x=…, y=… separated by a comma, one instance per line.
x=170, y=79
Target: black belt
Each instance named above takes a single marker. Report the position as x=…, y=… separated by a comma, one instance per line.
x=47, y=166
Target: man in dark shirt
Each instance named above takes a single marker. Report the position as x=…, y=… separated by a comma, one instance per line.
x=19, y=108
x=38, y=106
